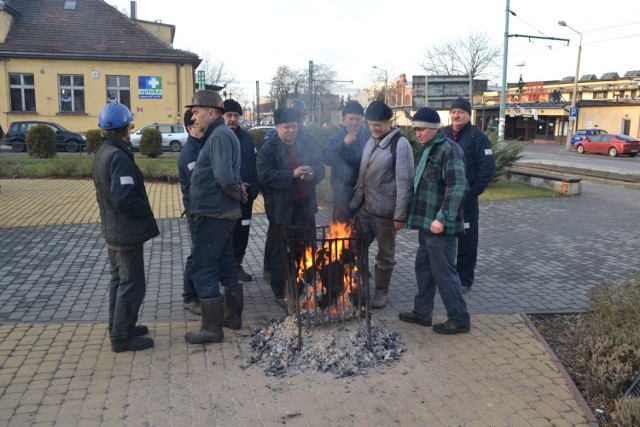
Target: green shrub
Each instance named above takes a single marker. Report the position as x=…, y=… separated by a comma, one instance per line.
x=506, y=154
x=257, y=135
x=41, y=141
x=607, y=339
x=94, y=140
x=151, y=143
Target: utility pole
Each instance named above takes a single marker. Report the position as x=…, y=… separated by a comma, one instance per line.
x=505, y=56
x=257, y=103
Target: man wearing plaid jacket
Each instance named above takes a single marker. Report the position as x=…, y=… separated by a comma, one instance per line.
x=436, y=209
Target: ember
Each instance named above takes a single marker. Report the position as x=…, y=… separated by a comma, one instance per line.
x=340, y=349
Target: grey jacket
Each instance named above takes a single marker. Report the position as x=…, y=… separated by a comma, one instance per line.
x=380, y=190
x=215, y=182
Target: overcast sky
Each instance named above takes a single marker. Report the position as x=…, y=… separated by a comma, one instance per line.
x=254, y=37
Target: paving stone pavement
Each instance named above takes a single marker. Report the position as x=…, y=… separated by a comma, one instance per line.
x=536, y=255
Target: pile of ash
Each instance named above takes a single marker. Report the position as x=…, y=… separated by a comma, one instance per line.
x=339, y=349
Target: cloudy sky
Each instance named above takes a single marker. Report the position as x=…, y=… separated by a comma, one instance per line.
x=254, y=37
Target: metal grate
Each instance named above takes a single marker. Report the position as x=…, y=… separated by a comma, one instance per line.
x=326, y=278
x=634, y=390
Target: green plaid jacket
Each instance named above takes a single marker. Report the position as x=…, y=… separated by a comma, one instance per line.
x=442, y=188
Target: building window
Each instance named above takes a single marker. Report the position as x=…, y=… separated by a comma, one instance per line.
x=119, y=89
x=71, y=94
x=600, y=95
x=22, y=92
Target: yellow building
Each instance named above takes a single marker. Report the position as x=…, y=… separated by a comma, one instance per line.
x=63, y=60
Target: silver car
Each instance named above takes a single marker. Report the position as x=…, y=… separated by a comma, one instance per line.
x=174, y=136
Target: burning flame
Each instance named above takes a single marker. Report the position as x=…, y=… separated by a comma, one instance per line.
x=330, y=255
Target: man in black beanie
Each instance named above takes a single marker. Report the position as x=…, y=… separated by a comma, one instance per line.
x=480, y=167
x=249, y=174
x=343, y=153
x=383, y=193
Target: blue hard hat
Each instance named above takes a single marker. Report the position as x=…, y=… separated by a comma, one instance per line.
x=113, y=116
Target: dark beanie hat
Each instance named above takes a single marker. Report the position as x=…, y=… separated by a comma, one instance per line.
x=188, y=117
x=378, y=111
x=352, y=107
x=232, y=106
x=461, y=104
x=426, y=118
x=286, y=115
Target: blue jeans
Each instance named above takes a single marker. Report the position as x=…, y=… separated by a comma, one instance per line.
x=212, y=256
x=189, y=293
x=436, y=268
x=126, y=291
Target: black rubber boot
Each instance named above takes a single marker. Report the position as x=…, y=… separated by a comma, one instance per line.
x=382, y=278
x=233, y=305
x=211, y=328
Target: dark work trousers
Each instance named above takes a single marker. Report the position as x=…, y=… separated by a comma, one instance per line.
x=277, y=260
x=189, y=293
x=241, y=231
x=468, y=242
x=126, y=291
x=212, y=256
x=435, y=269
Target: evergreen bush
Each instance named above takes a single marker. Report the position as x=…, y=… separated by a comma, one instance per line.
x=41, y=142
x=94, y=140
x=151, y=143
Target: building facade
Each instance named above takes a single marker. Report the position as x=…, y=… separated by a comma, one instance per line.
x=63, y=60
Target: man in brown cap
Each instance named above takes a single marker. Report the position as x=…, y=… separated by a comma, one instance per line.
x=216, y=193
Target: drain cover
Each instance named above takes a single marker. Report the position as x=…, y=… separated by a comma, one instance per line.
x=634, y=390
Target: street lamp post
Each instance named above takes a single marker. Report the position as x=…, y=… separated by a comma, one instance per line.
x=575, y=85
x=386, y=77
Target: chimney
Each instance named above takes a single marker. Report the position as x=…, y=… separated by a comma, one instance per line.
x=134, y=13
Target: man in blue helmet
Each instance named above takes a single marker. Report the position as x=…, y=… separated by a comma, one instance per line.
x=127, y=222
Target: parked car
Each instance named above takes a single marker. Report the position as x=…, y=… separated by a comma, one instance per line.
x=66, y=140
x=265, y=128
x=581, y=134
x=612, y=144
x=174, y=136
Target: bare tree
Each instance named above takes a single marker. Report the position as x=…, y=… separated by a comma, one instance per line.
x=216, y=73
x=473, y=55
x=287, y=82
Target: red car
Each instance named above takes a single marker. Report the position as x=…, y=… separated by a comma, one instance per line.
x=610, y=143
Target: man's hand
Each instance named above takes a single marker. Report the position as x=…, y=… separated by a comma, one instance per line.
x=304, y=173
x=350, y=138
x=437, y=227
x=399, y=225
x=244, y=196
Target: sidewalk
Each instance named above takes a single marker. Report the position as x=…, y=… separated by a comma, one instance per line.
x=57, y=367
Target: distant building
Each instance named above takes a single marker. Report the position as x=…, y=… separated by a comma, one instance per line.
x=63, y=60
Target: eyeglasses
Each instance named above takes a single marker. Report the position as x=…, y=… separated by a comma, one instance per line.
x=131, y=126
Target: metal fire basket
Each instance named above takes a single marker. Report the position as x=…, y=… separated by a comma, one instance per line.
x=326, y=278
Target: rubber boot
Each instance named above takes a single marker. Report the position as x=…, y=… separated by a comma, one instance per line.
x=233, y=305
x=382, y=278
x=211, y=328
x=242, y=275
